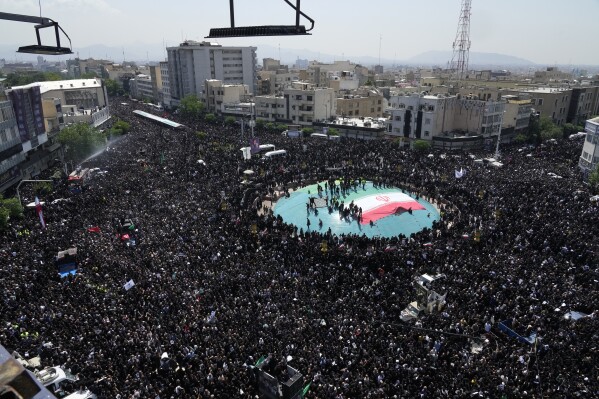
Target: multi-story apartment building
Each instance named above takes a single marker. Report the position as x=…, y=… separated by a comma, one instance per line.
x=273, y=82
x=156, y=78
x=589, y=159
x=219, y=95
x=142, y=87
x=42, y=108
x=166, y=86
x=362, y=103
x=584, y=104
x=301, y=104
x=445, y=120
x=518, y=110
x=192, y=63
x=11, y=149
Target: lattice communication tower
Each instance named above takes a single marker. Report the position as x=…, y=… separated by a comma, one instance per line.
x=461, y=44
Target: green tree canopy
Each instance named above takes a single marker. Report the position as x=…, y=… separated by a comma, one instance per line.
x=307, y=131
x=421, y=145
x=80, y=141
x=210, y=118
x=594, y=180
x=570, y=128
x=333, y=131
x=191, y=106
x=121, y=126
x=260, y=123
x=113, y=88
x=229, y=120
x=14, y=207
x=549, y=130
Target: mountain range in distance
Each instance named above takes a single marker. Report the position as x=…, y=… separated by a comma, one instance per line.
x=143, y=53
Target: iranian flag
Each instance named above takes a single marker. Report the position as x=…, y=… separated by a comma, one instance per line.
x=378, y=206
x=38, y=210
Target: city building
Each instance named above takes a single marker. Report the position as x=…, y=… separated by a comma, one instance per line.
x=220, y=96
x=142, y=88
x=301, y=104
x=589, y=159
x=447, y=121
x=367, y=102
x=583, y=105
x=156, y=78
x=192, y=63
x=43, y=108
x=166, y=87
x=516, y=119
x=356, y=128
x=551, y=74
x=344, y=81
x=11, y=149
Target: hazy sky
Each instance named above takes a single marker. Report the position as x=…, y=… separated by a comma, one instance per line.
x=543, y=31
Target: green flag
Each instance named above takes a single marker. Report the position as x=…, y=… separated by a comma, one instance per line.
x=306, y=389
x=260, y=361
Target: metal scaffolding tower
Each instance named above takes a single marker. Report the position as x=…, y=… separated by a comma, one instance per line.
x=461, y=44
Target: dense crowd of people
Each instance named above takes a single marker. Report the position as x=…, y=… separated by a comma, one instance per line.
x=218, y=285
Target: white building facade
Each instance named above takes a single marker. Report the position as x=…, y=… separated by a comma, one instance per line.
x=589, y=159
x=192, y=63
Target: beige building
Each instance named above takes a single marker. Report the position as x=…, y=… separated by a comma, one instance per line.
x=548, y=101
x=445, y=120
x=217, y=95
x=301, y=104
x=142, y=87
x=551, y=74
x=166, y=90
x=363, y=103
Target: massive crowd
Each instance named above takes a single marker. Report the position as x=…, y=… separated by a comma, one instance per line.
x=218, y=285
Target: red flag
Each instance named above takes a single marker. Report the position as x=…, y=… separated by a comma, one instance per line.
x=38, y=210
x=94, y=229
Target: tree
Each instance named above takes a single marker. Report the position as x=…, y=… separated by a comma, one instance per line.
x=120, y=127
x=333, y=131
x=89, y=75
x=15, y=210
x=520, y=139
x=4, y=216
x=113, y=88
x=201, y=135
x=210, y=118
x=191, y=106
x=230, y=120
x=570, y=128
x=594, y=180
x=549, y=130
x=421, y=146
x=307, y=131
x=270, y=126
x=260, y=123
x=80, y=141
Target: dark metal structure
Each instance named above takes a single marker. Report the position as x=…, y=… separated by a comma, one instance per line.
x=264, y=30
x=41, y=22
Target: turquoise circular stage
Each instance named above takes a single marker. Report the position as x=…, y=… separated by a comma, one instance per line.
x=377, y=212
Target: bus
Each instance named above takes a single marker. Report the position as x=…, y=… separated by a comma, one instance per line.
x=324, y=136
x=266, y=147
x=78, y=180
x=275, y=154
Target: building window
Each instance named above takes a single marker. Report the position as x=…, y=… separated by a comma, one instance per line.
x=398, y=118
x=379, y=102
x=426, y=133
x=350, y=113
x=427, y=121
x=540, y=101
x=371, y=109
x=309, y=98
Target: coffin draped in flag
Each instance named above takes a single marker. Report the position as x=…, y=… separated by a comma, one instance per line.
x=378, y=206
x=40, y=214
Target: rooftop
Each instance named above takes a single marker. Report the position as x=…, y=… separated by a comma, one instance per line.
x=372, y=123
x=546, y=90
x=63, y=85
